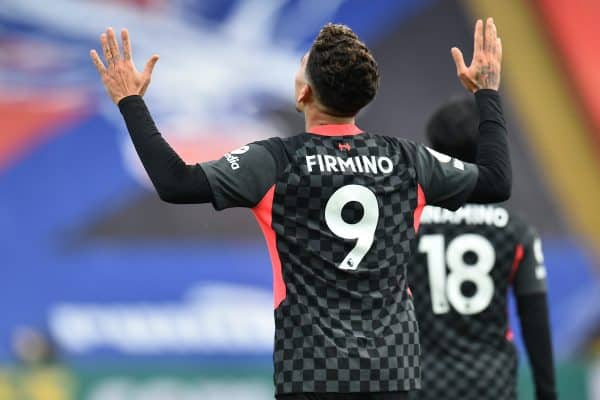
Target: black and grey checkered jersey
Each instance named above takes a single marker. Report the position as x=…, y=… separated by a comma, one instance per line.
x=463, y=265
x=338, y=213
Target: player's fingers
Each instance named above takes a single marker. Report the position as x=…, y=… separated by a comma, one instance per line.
x=97, y=62
x=490, y=36
x=150, y=64
x=478, y=37
x=127, y=53
x=499, y=49
x=106, y=49
x=113, y=44
x=459, y=60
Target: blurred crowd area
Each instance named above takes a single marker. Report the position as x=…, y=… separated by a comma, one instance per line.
x=110, y=294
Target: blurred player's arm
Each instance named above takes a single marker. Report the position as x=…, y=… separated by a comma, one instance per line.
x=530, y=289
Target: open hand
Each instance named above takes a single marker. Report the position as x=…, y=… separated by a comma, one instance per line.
x=120, y=76
x=484, y=71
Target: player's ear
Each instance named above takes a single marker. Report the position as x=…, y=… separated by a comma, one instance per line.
x=305, y=94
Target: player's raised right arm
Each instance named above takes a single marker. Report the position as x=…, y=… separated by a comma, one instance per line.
x=450, y=183
x=485, y=67
x=482, y=77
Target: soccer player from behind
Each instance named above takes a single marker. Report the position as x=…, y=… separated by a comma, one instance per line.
x=338, y=207
x=460, y=275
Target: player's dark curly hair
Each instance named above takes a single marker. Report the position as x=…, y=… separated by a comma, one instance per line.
x=453, y=129
x=342, y=71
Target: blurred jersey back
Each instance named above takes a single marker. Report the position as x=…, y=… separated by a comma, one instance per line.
x=462, y=268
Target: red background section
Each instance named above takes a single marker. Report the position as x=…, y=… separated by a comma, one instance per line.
x=574, y=26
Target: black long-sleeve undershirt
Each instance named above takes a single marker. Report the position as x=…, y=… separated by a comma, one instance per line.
x=494, y=182
x=174, y=180
x=177, y=182
x=535, y=329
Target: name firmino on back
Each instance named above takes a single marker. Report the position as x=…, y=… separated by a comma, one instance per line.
x=357, y=164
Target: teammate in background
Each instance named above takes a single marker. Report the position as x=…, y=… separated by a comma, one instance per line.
x=463, y=267
x=337, y=206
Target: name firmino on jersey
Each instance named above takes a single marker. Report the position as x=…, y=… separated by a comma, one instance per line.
x=469, y=214
x=360, y=164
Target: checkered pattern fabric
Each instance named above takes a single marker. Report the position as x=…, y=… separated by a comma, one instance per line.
x=491, y=375
x=467, y=356
x=341, y=330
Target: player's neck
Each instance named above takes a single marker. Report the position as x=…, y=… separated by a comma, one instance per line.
x=315, y=117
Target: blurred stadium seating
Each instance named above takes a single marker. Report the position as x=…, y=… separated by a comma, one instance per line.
x=138, y=299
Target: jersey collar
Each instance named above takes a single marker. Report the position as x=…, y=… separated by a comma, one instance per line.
x=335, y=130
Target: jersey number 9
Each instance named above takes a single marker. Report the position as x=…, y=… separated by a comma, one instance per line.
x=363, y=230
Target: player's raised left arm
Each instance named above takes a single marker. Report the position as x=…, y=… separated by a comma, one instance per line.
x=240, y=179
x=174, y=180
x=119, y=76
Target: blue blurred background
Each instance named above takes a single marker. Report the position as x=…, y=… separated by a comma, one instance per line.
x=109, y=294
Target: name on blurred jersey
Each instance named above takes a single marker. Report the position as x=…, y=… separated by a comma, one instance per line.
x=357, y=164
x=471, y=214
